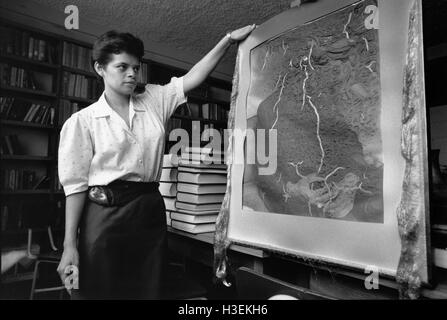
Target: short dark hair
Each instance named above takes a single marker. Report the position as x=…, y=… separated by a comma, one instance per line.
x=116, y=42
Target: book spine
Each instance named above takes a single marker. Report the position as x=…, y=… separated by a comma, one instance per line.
x=4, y=218
x=42, y=50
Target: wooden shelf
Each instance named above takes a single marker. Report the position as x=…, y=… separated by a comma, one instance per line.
x=177, y=116
x=26, y=158
x=208, y=237
x=14, y=123
x=25, y=192
x=28, y=61
x=80, y=71
x=29, y=91
x=439, y=228
x=79, y=99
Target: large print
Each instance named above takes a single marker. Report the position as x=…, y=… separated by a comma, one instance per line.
x=328, y=149
x=318, y=85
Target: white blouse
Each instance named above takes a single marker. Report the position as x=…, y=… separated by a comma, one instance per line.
x=97, y=147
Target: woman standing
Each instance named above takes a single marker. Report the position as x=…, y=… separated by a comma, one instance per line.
x=110, y=157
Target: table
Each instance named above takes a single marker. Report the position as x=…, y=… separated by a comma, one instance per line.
x=200, y=248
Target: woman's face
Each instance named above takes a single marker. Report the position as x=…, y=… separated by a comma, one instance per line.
x=120, y=74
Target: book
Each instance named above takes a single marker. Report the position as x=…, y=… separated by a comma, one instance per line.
x=4, y=218
x=198, y=213
x=168, y=218
x=11, y=144
x=196, y=126
x=193, y=228
x=168, y=175
x=201, y=188
x=33, y=114
x=190, y=218
x=6, y=141
x=201, y=157
x=202, y=178
x=203, y=150
x=41, y=54
x=206, y=111
x=194, y=108
x=222, y=171
x=170, y=160
x=168, y=189
x=440, y=257
x=4, y=149
x=197, y=207
x=200, y=198
x=19, y=109
x=30, y=112
x=169, y=203
x=6, y=104
x=197, y=164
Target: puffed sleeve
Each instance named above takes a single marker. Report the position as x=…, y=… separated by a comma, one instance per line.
x=75, y=155
x=170, y=96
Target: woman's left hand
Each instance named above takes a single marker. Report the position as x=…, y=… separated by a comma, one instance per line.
x=242, y=33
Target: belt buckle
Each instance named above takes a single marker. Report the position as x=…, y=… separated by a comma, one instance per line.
x=99, y=195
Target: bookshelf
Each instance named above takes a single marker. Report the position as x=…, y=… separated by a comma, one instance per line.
x=44, y=78
x=207, y=106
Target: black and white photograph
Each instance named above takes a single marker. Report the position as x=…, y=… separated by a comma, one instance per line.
x=223, y=151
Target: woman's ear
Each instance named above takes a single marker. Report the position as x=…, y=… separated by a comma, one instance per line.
x=99, y=69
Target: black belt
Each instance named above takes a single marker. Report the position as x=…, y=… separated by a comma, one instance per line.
x=120, y=192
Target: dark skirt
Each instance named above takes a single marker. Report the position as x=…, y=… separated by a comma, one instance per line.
x=121, y=249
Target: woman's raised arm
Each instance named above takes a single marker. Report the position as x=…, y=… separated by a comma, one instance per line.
x=200, y=71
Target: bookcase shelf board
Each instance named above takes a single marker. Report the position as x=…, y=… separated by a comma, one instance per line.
x=29, y=91
x=440, y=229
x=25, y=124
x=79, y=71
x=26, y=158
x=177, y=116
x=78, y=99
x=25, y=192
x=23, y=60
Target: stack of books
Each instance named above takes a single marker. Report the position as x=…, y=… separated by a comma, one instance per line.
x=201, y=186
x=168, y=184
